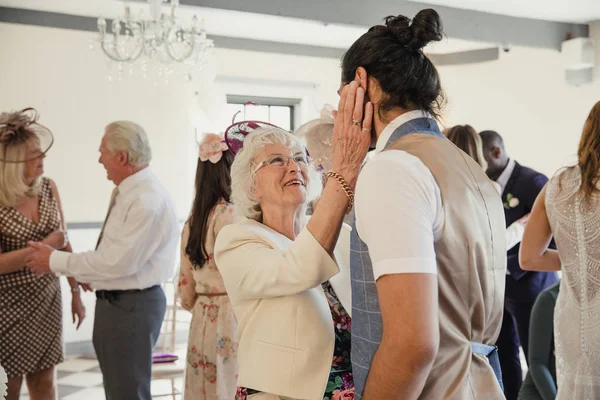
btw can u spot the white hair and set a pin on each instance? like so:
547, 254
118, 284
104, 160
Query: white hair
129, 137
243, 177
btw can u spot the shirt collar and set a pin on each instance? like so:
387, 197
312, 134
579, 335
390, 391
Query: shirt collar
395, 124
132, 181
505, 175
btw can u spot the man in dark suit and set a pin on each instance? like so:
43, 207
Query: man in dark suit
520, 187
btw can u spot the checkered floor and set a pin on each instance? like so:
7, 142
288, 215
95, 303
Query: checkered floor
80, 378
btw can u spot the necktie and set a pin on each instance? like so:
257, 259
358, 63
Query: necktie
113, 198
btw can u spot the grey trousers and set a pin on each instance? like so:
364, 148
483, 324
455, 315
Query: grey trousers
126, 328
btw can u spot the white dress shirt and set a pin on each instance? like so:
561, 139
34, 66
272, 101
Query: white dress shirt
514, 233
505, 175
139, 241
398, 208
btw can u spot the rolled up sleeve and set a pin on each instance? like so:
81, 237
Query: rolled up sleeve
398, 207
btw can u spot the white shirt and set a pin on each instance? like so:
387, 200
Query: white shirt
514, 233
398, 208
139, 243
505, 175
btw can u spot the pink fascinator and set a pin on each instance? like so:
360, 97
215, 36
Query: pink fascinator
212, 147
236, 133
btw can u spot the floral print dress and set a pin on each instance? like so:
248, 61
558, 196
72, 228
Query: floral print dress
340, 385
211, 371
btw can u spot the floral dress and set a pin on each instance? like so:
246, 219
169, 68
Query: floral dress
340, 385
211, 372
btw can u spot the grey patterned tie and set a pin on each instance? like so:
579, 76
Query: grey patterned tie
113, 198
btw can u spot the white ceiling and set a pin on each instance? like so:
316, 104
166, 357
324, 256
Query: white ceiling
578, 11
235, 24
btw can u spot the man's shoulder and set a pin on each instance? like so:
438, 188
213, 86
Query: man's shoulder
392, 161
527, 183
529, 172
152, 195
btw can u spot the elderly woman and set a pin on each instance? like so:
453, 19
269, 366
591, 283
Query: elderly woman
276, 268
30, 306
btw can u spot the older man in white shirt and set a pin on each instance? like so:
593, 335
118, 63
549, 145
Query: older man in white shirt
135, 254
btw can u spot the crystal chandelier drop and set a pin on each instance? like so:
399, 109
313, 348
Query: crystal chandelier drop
160, 46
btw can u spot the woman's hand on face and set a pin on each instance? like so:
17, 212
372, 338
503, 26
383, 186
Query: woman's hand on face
351, 132
57, 240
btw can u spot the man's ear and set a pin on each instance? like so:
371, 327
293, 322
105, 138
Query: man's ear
496, 152
361, 77
123, 158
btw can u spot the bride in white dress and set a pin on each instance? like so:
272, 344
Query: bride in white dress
568, 208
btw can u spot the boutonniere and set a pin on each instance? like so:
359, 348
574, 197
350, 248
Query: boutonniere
511, 202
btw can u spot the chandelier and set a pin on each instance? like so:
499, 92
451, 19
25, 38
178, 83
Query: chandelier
160, 45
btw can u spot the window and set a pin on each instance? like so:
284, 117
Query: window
277, 111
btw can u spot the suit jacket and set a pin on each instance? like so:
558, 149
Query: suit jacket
285, 329
524, 185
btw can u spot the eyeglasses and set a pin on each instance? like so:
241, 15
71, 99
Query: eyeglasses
280, 161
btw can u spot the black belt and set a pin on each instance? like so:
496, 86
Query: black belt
112, 294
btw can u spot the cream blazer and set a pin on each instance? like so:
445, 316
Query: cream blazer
285, 328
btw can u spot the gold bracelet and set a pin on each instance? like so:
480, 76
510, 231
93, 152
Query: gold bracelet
349, 192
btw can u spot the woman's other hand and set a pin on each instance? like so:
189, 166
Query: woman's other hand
57, 240
77, 309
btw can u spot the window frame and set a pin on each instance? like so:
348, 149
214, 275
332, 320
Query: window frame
270, 102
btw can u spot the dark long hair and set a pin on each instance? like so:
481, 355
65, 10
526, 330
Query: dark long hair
213, 183
588, 154
393, 55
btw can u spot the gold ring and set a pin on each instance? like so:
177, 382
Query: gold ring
366, 129
355, 122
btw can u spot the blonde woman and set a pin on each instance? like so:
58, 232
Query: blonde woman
30, 306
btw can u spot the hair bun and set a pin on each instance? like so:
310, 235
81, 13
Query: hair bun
425, 27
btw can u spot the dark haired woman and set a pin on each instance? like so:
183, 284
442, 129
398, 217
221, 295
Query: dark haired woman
211, 371
568, 209
429, 274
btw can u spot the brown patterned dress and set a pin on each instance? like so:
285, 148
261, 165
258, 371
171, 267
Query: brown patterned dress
30, 306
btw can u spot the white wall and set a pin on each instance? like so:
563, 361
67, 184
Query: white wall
523, 96
54, 71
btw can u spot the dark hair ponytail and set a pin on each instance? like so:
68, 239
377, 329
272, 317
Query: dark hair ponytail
213, 183
392, 54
